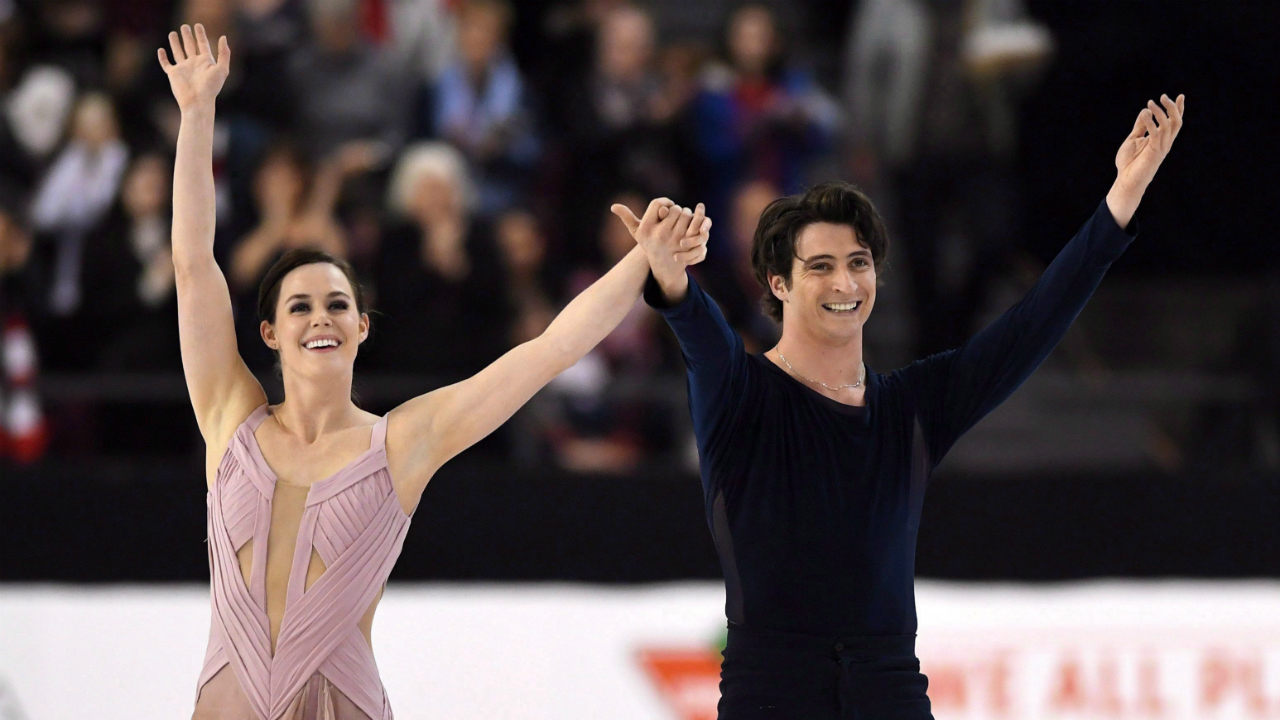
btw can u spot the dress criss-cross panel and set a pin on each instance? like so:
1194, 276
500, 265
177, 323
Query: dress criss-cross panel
322, 668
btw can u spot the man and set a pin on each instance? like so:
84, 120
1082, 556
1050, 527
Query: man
814, 467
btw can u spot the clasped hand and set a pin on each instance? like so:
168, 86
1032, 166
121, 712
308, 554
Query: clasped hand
672, 237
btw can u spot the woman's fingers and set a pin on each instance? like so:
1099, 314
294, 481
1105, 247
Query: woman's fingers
202, 42
189, 42
164, 59
627, 217
175, 45
224, 53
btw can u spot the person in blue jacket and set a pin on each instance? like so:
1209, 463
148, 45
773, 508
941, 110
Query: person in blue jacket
814, 466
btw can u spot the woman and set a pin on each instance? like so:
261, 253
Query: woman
309, 501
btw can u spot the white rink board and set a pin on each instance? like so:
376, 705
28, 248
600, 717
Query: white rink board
1111, 650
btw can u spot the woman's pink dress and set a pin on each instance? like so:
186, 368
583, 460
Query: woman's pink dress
322, 668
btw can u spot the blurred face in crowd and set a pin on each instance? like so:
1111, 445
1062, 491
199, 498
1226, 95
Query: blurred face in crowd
833, 284
280, 185
71, 18
625, 45
615, 239
435, 197
521, 242
214, 14
752, 39
318, 328
335, 25
146, 186
482, 32
750, 201
15, 243
94, 122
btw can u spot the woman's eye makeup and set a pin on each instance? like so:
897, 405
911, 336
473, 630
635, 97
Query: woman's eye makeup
339, 305
299, 306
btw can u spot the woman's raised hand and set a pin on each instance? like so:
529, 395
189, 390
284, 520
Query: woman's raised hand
195, 75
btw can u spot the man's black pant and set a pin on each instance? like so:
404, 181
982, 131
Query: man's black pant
776, 676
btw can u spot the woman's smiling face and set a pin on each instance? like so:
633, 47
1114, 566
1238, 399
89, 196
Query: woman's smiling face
318, 328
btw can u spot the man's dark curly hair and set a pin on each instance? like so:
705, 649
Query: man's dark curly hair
774, 246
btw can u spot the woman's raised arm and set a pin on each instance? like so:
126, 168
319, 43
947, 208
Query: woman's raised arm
223, 391
429, 430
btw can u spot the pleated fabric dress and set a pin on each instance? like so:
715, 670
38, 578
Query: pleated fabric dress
322, 667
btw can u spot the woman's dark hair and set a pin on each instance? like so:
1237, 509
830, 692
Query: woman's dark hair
774, 246
269, 290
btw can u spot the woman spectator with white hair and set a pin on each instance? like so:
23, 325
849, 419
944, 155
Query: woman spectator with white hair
440, 282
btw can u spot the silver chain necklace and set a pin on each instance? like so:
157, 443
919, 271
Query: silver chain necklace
861, 375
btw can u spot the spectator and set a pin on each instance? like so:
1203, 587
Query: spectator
440, 284
294, 207
70, 34
73, 197
524, 252
292, 212
129, 283
613, 137
759, 118
734, 285
480, 106
591, 432
343, 88
938, 128
422, 37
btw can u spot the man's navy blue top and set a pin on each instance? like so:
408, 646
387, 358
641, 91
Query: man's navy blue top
814, 504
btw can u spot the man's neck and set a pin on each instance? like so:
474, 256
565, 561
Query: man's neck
821, 359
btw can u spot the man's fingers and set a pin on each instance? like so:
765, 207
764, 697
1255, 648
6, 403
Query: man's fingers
627, 217
1149, 122
683, 222
692, 257
695, 223
1158, 113
700, 238
175, 45
670, 220
202, 42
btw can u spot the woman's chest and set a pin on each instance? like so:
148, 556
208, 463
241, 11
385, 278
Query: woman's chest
303, 464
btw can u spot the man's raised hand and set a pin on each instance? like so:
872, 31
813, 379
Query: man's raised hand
195, 75
1141, 154
672, 237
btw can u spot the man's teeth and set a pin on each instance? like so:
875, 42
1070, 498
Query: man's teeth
842, 307
323, 342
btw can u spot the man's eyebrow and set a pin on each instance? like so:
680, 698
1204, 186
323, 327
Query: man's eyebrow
828, 256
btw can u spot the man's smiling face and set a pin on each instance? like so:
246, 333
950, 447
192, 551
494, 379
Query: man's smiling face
832, 287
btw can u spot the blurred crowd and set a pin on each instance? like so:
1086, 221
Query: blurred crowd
471, 191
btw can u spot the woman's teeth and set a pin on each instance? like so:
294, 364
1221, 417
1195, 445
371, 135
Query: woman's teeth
323, 342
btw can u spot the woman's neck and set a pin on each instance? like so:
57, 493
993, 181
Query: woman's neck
312, 408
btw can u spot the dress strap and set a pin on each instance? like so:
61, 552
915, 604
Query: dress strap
257, 417
378, 440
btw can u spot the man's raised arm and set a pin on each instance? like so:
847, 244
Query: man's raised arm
955, 389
